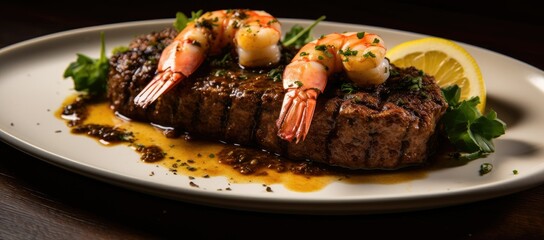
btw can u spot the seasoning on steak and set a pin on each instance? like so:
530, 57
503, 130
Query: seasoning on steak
388, 126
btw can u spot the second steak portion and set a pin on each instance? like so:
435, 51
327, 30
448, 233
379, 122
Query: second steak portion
384, 127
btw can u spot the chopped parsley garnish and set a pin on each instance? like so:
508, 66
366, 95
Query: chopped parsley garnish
241, 14
223, 61
369, 54
347, 88
298, 36
348, 52
393, 72
409, 83
467, 129
209, 24
90, 75
485, 168
182, 20
413, 83
321, 47
360, 35
220, 72
242, 77
272, 21
276, 73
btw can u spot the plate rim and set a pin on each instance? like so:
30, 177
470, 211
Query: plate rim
287, 205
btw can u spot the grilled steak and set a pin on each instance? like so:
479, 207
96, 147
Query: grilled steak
388, 126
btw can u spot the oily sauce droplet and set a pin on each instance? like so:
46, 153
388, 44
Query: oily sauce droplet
150, 153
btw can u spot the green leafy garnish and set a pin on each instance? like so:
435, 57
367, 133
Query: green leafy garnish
467, 129
298, 36
90, 75
182, 20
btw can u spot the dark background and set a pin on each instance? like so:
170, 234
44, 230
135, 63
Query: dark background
488, 26
38, 200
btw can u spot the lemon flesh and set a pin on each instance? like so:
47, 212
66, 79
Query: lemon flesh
444, 59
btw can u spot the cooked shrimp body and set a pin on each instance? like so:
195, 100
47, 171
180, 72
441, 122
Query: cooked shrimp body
360, 55
254, 35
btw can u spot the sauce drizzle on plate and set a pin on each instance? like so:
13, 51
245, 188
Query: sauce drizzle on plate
203, 159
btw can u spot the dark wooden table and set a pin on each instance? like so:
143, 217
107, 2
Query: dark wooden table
42, 201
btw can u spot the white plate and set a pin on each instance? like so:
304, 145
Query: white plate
32, 88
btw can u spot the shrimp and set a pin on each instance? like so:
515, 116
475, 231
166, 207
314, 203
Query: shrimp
360, 55
255, 36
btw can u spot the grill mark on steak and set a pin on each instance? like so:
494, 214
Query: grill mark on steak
403, 142
225, 116
256, 119
195, 103
164, 110
266, 134
389, 133
245, 111
316, 145
334, 129
384, 127
353, 133
214, 94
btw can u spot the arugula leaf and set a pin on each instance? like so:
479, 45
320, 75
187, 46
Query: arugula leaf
299, 36
182, 20
466, 128
90, 75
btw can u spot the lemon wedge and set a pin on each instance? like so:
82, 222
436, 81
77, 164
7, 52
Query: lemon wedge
444, 59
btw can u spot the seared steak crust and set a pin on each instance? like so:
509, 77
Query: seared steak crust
383, 127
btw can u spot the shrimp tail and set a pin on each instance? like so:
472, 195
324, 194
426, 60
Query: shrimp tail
161, 83
296, 114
